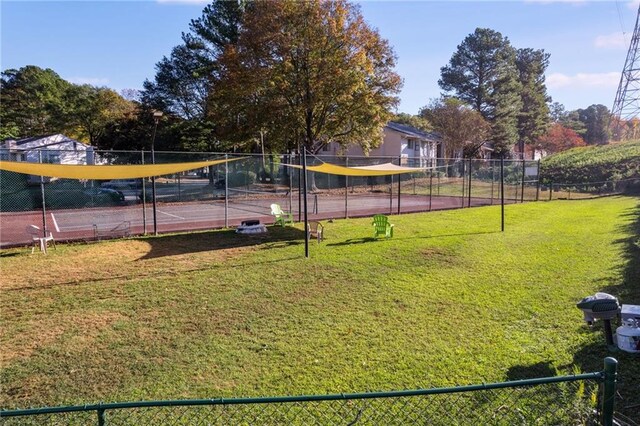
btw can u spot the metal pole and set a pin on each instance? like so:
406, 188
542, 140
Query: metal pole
469, 186
300, 194
346, 191
463, 183
179, 187
493, 178
538, 182
290, 185
399, 183
523, 177
101, 419
153, 178
144, 200
502, 192
391, 196
226, 191
550, 191
306, 219
44, 207
609, 397
430, 187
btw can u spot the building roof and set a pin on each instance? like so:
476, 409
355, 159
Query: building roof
413, 132
42, 141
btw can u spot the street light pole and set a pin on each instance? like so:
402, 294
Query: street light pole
156, 118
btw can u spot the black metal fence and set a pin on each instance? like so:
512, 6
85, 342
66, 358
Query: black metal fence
564, 400
227, 194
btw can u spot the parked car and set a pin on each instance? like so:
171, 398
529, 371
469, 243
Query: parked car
104, 197
122, 184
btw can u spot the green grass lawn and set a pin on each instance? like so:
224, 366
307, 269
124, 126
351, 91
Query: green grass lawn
449, 300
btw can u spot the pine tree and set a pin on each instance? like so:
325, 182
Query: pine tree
533, 119
483, 73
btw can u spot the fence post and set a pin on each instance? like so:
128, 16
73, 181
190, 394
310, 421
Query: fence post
463, 183
391, 196
610, 374
101, 419
430, 187
538, 182
502, 192
550, 190
524, 169
469, 188
399, 183
226, 190
44, 207
346, 190
493, 177
144, 200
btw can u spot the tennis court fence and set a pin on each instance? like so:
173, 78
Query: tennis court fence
224, 195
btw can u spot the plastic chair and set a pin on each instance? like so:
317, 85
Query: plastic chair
282, 217
381, 226
38, 240
315, 229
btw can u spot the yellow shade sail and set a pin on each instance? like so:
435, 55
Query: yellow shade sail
385, 169
106, 172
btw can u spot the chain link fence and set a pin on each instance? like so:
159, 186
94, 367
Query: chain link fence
224, 195
578, 191
567, 400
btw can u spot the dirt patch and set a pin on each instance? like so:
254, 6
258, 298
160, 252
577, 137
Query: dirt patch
82, 328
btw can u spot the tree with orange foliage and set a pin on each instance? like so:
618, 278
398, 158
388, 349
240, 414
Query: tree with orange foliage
305, 73
559, 138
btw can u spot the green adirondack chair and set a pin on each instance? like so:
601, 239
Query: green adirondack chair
282, 217
382, 226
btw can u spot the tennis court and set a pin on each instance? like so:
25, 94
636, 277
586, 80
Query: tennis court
79, 224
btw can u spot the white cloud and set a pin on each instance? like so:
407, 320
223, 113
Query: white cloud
633, 4
583, 80
94, 81
611, 41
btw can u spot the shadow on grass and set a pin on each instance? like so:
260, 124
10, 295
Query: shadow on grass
534, 371
172, 245
372, 239
13, 254
590, 358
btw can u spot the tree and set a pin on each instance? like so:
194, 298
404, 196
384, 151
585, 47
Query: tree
559, 138
318, 64
596, 121
482, 73
462, 129
32, 102
92, 109
533, 119
182, 84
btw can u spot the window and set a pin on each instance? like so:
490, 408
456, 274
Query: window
51, 157
410, 144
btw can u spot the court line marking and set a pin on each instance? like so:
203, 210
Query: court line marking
55, 222
172, 215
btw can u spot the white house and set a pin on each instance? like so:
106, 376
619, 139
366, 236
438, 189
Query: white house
55, 149
415, 147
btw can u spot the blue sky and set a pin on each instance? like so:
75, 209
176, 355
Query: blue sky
117, 43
